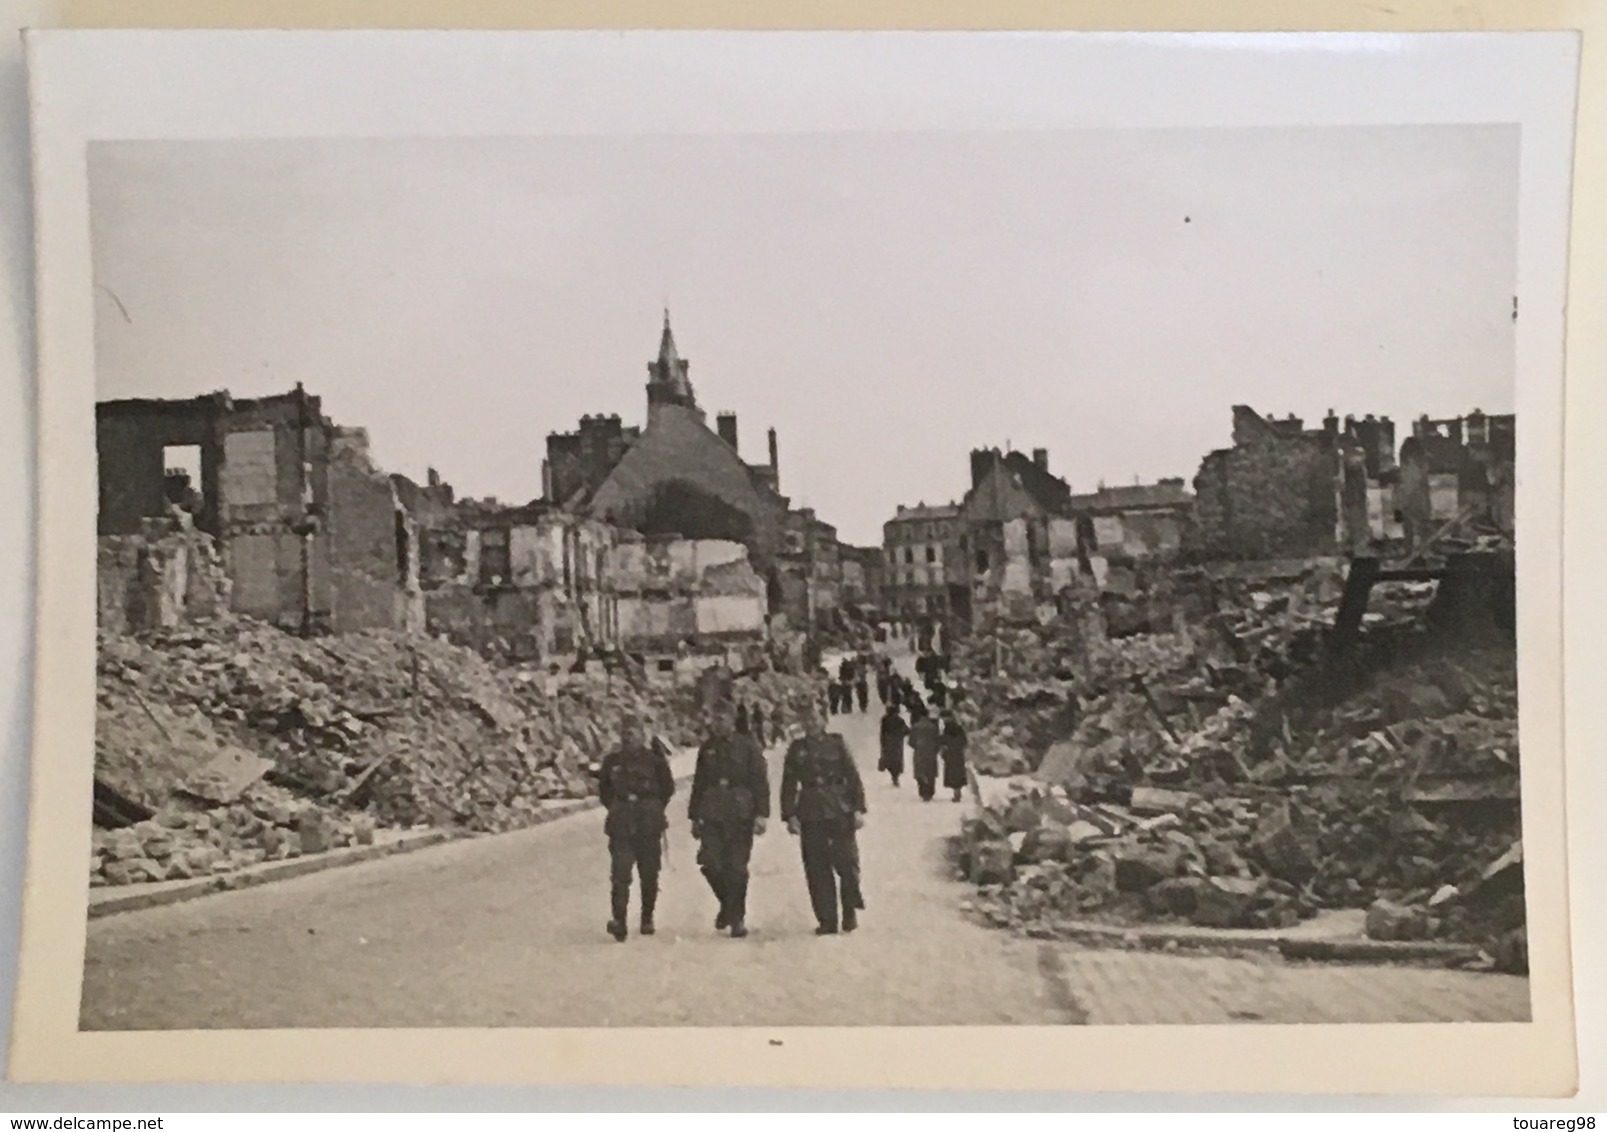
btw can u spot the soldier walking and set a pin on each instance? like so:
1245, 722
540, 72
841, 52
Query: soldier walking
823, 803
729, 805
635, 786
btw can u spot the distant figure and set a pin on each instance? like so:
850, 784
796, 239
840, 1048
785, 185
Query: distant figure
757, 721
883, 680
742, 719
894, 730
940, 694
634, 786
823, 803
862, 685
925, 742
730, 802
954, 745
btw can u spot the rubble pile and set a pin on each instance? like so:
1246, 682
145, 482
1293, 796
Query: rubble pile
1222, 775
408, 729
187, 842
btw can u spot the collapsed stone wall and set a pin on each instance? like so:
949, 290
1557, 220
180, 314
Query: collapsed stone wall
167, 575
1273, 498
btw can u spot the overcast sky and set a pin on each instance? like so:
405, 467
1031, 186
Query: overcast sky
886, 301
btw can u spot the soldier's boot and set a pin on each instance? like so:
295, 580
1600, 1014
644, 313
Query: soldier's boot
649, 903
621, 895
737, 913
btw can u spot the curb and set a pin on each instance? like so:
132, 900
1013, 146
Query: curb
1335, 949
129, 898
134, 901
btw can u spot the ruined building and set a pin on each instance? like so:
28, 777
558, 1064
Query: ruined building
1458, 473
524, 583
1019, 539
921, 548
1285, 491
1133, 521
310, 532
676, 477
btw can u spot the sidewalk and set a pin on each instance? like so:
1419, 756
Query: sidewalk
111, 899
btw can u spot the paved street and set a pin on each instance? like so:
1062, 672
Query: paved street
509, 931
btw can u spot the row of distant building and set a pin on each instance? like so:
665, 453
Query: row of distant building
651, 538
1021, 535
658, 538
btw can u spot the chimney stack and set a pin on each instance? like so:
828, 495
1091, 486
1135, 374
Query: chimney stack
775, 463
546, 481
726, 425
1040, 456
982, 461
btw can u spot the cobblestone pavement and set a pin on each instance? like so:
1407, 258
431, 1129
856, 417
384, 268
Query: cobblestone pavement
509, 931
1140, 987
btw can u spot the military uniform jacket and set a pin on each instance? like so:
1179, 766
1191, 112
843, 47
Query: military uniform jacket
731, 785
634, 786
819, 781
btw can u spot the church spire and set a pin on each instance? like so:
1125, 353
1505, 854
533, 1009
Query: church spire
668, 383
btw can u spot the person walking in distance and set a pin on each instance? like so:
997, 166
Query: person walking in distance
757, 719
729, 806
925, 743
954, 745
823, 804
894, 729
635, 786
862, 683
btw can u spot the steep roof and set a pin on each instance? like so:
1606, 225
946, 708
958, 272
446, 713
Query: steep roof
1012, 486
678, 446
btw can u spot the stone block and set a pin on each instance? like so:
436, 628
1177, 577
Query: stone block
1225, 902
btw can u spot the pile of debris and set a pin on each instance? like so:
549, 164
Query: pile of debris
1225, 775
185, 842
409, 730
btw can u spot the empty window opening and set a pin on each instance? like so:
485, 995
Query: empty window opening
181, 476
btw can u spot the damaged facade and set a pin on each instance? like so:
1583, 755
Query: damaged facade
528, 582
923, 560
1285, 491
309, 530
1019, 543
1458, 473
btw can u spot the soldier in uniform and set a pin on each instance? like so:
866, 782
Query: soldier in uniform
634, 786
729, 805
823, 803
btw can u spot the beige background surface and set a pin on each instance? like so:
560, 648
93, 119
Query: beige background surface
1514, 1060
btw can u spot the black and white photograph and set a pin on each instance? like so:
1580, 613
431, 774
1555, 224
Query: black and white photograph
961, 575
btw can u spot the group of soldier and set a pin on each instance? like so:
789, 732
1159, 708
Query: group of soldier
822, 804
